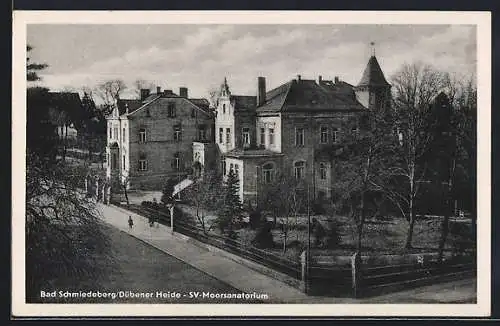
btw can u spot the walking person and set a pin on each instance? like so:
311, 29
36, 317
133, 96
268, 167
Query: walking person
130, 222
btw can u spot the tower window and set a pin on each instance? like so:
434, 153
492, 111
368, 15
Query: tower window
228, 136
221, 135
246, 136
271, 136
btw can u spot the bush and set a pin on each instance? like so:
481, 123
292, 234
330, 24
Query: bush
255, 219
333, 236
264, 237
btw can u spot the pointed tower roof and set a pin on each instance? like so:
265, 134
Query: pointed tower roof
373, 75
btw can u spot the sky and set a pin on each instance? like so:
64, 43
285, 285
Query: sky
200, 56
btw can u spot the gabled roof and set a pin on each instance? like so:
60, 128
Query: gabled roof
202, 103
373, 75
307, 95
244, 102
132, 105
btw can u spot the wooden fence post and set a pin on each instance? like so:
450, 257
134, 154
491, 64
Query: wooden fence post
356, 274
304, 284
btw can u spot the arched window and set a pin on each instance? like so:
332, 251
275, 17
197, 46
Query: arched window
268, 172
224, 108
299, 169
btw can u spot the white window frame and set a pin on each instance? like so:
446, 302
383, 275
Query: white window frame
177, 133
271, 136
335, 135
268, 173
142, 135
221, 135
323, 135
299, 136
143, 164
246, 136
323, 174
299, 168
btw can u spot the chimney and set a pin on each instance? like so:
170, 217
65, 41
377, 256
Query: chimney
144, 93
320, 79
337, 80
298, 77
261, 90
183, 92
158, 90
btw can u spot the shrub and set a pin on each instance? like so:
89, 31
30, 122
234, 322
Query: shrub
264, 237
255, 219
333, 236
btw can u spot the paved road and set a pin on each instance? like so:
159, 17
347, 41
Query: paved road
140, 268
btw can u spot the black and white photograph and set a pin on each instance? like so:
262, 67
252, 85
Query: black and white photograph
234, 164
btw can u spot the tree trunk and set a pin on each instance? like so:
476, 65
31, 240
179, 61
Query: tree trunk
411, 224
445, 227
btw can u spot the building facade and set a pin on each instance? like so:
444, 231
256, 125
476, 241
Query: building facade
290, 131
151, 141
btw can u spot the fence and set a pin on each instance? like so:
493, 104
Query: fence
331, 278
267, 259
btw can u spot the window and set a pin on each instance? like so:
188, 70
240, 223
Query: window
224, 108
237, 169
262, 136
143, 165
176, 163
324, 135
231, 167
110, 133
193, 113
142, 135
107, 159
177, 133
299, 137
355, 131
202, 132
148, 113
335, 135
114, 161
268, 172
246, 136
221, 135
322, 171
123, 165
171, 110
123, 134
116, 133
224, 167
271, 136
228, 136
299, 168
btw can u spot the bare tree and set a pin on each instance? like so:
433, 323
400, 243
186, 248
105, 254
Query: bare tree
65, 237
283, 198
415, 86
457, 149
362, 162
109, 91
140, 84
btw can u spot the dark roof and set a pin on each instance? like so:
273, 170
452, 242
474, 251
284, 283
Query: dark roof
244, 102
132, 105
202, 103
241, 153
307, 95
373, 75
